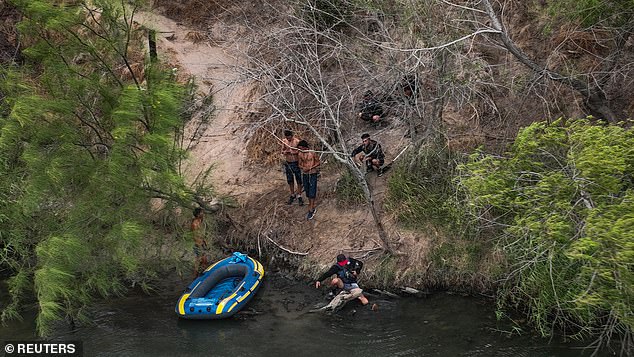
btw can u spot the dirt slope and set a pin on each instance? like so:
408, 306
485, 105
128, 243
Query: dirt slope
261, 190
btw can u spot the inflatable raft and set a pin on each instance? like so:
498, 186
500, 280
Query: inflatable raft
222, 290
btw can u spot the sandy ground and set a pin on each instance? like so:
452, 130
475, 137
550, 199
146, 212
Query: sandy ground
219, 143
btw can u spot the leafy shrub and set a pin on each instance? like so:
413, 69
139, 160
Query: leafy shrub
422, 192
326, 14
87, 140
563, 197
348, 190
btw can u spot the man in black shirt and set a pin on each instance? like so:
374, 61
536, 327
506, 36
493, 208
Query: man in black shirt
372, 156
347, 271
370, 110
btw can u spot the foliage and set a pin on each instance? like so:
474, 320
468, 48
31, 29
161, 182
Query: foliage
385, 272
327, 14
87, 139
563, 199
461, 256
421, 191
348, 190
591, 12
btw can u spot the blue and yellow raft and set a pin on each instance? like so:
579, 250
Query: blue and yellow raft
222, 290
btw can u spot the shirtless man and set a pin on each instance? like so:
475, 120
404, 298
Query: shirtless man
309, 164
291, 167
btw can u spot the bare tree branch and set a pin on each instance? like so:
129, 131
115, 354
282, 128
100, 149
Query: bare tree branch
594, 99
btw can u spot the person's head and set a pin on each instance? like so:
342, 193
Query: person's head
198, 212
342, 260
288, 134
365, 138
368, 94
303, 144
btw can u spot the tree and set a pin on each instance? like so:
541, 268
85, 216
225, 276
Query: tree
562, 199
589, 55
295, 65
592, 85
88, 138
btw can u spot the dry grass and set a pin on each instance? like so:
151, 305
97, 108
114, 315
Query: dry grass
196, 36
135, 71
206, 13
194, 12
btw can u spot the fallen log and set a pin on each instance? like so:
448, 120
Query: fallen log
285, 249
415, 292
339, 301
386, 293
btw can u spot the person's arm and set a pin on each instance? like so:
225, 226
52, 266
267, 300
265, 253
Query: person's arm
316, 161
356, 151
301, 162
194, 227
332, 271
379, 151
284, 147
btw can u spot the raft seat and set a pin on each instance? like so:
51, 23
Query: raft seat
237, 271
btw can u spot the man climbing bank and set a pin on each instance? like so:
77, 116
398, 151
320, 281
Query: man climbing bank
346, 270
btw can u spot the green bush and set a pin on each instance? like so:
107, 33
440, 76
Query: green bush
327, 14
421, 192
591, 12
563, 198
348, 191
84, 149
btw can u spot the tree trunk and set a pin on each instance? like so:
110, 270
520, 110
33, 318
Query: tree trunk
370, 204
434, 134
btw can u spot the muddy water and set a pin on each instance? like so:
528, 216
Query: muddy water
277, 323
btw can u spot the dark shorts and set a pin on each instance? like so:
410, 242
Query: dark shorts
369, 162
369, 115
198, 251
291, 169
310, 185
366, 116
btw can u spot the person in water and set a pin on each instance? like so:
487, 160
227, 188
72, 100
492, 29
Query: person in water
347, 271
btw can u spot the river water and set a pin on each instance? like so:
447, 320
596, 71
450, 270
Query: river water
277, 323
